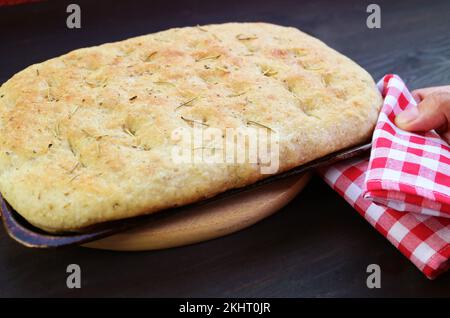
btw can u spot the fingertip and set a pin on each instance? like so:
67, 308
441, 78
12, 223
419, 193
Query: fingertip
416, 95
405, 118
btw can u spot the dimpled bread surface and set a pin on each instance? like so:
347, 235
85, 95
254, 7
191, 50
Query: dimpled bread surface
87, 137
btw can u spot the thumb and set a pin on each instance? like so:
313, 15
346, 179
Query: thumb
433, 112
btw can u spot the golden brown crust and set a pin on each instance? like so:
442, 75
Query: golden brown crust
85, 137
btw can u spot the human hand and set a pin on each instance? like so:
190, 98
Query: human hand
432, 112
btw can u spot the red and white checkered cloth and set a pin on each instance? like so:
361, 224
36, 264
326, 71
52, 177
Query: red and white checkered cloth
403, 190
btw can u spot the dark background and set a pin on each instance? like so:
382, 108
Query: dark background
317, 246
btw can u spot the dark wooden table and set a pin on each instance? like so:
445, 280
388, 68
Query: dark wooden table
317, 245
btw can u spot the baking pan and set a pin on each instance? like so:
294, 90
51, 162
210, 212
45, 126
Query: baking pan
25, 233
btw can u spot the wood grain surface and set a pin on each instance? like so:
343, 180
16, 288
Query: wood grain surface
315, 246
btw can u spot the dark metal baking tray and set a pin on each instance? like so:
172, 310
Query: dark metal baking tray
25, 233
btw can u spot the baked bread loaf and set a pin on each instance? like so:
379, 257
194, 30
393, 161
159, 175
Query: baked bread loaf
87, 137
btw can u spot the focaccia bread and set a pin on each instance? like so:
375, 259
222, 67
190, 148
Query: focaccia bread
87, 137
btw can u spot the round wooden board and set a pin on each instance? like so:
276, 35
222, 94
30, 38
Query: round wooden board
207, 222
